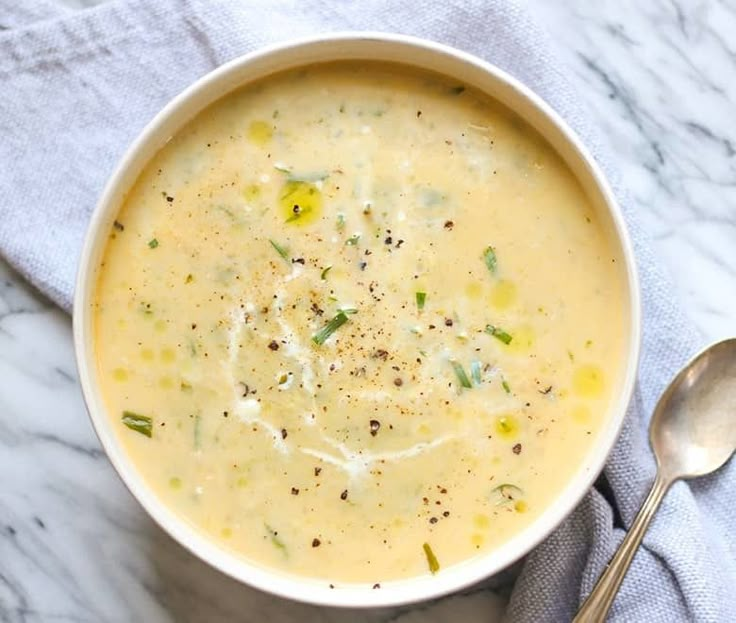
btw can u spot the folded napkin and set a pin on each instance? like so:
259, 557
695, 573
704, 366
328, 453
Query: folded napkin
76, 90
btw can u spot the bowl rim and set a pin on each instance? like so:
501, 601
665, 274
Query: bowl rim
310, 590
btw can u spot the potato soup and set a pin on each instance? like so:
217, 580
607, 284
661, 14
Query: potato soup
359, 323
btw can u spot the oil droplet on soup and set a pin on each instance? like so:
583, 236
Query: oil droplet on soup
260, 132
503, 294
587, 381
300, 202
327, 342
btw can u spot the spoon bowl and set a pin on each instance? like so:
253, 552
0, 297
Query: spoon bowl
693, 429
692, 433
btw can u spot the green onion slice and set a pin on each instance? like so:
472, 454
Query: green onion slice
460, 373
434, 565
475, 370
489, 257
139, 423
506, 493
333, 325
499, 333
421, 298
282, 251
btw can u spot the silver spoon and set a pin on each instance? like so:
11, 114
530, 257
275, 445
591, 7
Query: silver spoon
693, 433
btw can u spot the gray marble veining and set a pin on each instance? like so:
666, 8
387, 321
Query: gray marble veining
74, 545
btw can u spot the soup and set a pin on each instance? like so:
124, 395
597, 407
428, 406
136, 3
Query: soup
359, 323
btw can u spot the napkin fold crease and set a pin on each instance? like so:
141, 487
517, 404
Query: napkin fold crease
78, 86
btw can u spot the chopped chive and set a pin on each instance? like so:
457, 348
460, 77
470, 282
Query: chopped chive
475, 369
333, 325
353, 240
152, 243
340, 221
460, 373
323, 274
277, 542
506, 386
197, 432
140, 423
308, 177
489, 257
282, 251
506, 493
348, 310
434, 565
421, 298
498, 333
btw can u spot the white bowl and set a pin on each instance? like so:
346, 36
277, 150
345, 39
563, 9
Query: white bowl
351, 46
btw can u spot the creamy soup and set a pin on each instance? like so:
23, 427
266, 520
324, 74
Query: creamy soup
359, 323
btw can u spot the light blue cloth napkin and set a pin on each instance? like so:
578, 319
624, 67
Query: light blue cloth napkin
76, 90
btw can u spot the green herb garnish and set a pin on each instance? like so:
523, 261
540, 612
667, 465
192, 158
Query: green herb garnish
323, 274
333, 325
498, 333
282, 251
506, 386
353, 240
421, 298
197, 432
506, 493
489, 257
460, 373
139, 423
434, 565
152, 243
475, 370
340, 222
277, 542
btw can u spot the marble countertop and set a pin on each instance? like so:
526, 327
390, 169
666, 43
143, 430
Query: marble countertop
75, 546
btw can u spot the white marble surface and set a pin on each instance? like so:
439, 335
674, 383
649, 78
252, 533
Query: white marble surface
74, 545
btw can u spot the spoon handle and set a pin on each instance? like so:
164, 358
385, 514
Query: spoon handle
597, 604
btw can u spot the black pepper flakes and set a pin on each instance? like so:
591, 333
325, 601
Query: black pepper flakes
449, 224
398, 382
433, 520
375, 425
274, 345
317, 471
376, 585
448, 322
294, 491
446, 514
317, 543
284, 433
516, 449
344, 495
119, 226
